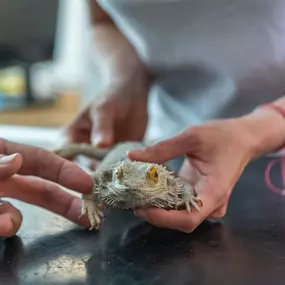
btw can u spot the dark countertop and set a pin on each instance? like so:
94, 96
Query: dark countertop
247, 247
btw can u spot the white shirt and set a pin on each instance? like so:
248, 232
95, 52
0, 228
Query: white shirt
212, 58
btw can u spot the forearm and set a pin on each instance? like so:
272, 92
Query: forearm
115, 58
266, 129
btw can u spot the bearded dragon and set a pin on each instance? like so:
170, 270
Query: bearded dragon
125, 184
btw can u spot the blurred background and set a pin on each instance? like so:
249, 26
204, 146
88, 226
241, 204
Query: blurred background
46, 71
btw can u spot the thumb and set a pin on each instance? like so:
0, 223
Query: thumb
165, 150
102, 133
9, 165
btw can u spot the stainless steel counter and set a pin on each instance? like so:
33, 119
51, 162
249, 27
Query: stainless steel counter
247, 247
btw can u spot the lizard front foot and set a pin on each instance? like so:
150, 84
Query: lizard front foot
92, 210
190, 199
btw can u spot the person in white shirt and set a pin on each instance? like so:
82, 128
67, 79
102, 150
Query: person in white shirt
186, 75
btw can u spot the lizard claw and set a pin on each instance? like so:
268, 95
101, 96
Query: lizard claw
190, 199
193, 202
93, 212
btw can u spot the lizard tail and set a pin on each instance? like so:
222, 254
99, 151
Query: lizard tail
72, 150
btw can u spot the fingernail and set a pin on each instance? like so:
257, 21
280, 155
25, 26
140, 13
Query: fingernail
140, 213
135, 151
7, 159
96, 139
101, 140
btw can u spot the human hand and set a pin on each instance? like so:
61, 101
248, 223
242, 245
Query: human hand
33, 175
216, 154
118, 113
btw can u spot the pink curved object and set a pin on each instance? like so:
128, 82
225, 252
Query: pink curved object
272, 187
280, 191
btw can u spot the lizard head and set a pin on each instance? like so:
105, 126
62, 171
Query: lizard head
133, 182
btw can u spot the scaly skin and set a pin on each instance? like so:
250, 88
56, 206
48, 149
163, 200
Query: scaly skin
125, 184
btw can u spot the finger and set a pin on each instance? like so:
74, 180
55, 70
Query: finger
9, 165
219, 213
182, 220
45, 194
102, 133
45, 164
79, 130
10, 219
167, 149
176, 220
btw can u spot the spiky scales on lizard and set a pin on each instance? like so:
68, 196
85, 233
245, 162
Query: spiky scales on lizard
125, 184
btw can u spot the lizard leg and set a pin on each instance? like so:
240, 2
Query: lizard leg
72, 150
91, 204
190, 198
92, 210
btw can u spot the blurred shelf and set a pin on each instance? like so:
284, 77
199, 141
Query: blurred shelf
46, 137
58, 113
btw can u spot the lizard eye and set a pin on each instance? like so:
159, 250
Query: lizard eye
152, 174
119, 173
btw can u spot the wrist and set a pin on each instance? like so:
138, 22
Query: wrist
265, 129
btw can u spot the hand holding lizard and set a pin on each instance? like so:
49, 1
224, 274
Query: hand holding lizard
216, 154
